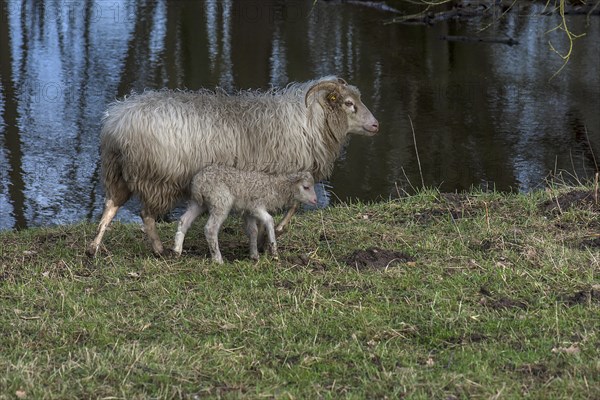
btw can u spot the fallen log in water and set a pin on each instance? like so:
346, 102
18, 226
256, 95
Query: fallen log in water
577, 9
431, 18
509, 41
377, 5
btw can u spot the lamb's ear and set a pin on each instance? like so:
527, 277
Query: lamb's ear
294, 178
299, 177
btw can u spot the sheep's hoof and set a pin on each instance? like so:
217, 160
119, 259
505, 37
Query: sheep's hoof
174, 253
171, 253
91, 250
254, 257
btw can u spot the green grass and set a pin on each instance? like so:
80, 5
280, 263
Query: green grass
501, 301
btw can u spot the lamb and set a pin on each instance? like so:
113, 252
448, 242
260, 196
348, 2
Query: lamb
221, 189
153, 143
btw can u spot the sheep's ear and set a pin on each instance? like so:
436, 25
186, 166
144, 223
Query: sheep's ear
334, 98
343, 82
327, 86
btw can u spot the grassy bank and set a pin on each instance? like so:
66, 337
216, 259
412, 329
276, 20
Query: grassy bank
443, 296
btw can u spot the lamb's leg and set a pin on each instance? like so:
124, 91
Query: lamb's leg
286, 219
192, 212
252, 232
150, 228
211, 231
280, 229
267, 220
111, 206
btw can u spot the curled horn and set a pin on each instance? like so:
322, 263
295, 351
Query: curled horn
321, 86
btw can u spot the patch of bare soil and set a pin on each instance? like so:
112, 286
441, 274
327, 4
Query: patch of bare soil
578, 199
586, 296
468, 339
500, 302
303, 261
534, 371
590, 244
376, 258
427, 216
453, 198
454, 205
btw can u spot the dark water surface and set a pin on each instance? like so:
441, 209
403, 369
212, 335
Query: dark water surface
484, 115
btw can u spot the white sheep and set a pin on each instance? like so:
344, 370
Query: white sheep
221, 189
153, 143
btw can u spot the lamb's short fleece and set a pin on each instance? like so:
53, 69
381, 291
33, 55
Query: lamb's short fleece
221, 189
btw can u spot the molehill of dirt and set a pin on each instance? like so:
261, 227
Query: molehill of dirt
376, 258
578, 199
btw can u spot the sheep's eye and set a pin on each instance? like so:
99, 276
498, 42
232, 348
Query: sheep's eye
306, 187
348, 103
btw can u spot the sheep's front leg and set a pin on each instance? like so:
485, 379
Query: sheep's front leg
252, 232
211, 231
267, 220
192, 212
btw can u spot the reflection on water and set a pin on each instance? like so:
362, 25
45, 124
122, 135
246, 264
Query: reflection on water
484, 115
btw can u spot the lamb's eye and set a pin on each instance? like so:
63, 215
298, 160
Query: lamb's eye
306, 187
348, 103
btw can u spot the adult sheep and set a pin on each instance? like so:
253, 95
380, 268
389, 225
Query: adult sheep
153, 143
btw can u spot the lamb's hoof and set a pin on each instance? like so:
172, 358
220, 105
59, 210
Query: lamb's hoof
279, 231
254, 257
273, 249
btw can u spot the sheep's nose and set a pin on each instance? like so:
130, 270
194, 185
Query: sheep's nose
375, 126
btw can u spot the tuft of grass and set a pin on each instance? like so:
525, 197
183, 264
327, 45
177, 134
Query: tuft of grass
498, 297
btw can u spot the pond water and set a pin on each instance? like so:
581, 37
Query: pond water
484, 115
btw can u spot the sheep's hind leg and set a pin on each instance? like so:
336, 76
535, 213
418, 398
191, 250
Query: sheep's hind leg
111, 206
192, 212
150, 228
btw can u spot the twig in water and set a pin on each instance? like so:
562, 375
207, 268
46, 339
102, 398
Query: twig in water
587, 138
417, 152
408, 180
